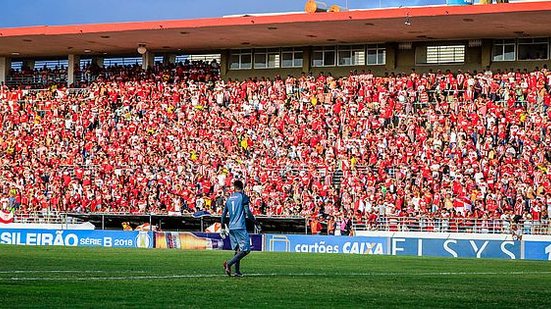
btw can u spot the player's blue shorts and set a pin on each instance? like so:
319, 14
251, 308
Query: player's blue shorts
240, 239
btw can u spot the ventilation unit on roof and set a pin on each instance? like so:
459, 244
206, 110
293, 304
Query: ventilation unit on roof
404, 45
475, 43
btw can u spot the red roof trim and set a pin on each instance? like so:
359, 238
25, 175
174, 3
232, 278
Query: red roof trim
280, 19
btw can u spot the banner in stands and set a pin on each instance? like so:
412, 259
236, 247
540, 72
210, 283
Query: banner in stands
326, 244
81, 238
200, 241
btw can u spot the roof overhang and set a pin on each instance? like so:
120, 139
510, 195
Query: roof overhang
524, 19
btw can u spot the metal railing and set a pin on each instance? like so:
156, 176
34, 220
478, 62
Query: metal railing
44, 217
386, 224
455, 225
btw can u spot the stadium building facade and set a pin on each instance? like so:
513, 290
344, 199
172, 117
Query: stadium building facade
502, 36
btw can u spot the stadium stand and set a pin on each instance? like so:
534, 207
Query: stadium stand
443, 148
124, 123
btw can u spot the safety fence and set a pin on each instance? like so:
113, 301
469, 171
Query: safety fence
295, 225
456, 225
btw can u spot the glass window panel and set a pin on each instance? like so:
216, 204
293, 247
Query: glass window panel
358, 57
532, 51
371, 56
381, 56
234, 62
344, 57
287, 60
273, 60
445, 54
509, 54
329, 58
260, 61
317, 59
246, 61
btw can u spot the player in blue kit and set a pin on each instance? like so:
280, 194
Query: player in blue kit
237, 206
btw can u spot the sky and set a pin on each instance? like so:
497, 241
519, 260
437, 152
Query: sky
17, 13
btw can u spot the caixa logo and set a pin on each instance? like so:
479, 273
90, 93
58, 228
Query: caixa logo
327, 244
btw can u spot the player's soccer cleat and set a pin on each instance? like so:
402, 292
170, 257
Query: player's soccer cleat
227, 269
238, 275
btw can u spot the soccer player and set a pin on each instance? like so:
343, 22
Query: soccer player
237, 206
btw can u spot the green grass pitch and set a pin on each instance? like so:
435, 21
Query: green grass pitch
62, 277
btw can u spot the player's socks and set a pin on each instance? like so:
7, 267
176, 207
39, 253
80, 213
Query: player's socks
237, 257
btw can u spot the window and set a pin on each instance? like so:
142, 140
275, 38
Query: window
291, 58
351, 55
266, 58
504, 50
127, 61
241, 60
17, 65
85, 62
158, 59
445, 54
533, 49
198, 57
51, 64
376, 54
324, 57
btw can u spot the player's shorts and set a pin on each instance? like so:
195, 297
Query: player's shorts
240, 239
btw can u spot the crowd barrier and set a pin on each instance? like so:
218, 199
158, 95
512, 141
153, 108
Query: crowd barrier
456, 245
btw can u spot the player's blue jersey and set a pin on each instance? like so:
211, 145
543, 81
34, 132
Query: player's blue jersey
237, 206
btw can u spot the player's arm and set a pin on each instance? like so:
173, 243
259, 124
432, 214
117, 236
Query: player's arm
246, 203
224, 213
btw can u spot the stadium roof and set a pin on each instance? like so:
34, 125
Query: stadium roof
525, 19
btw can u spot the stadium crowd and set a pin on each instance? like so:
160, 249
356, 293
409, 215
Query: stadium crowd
173, 138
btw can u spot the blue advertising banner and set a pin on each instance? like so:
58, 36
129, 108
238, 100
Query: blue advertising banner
255, 240
200, 241
537, 250
326, 244
449, 247
81, 238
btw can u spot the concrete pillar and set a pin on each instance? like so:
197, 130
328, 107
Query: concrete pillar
148, 60
73, 62
486, 53
5, 66
306, 59
224, 63
98, 61
390, 56
169, 59
28, 64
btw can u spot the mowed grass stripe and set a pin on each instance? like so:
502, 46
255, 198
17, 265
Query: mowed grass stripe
84, 277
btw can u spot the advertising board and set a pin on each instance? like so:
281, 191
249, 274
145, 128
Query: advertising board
81, 238
326, 244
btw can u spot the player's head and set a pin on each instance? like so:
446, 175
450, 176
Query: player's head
238, 185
